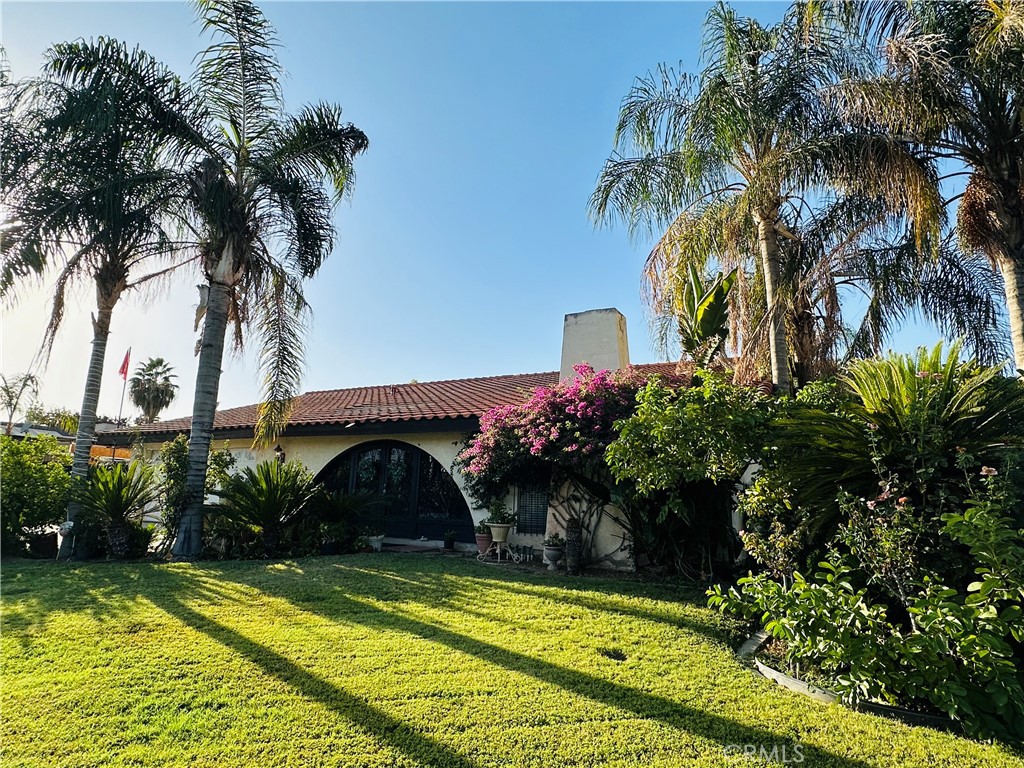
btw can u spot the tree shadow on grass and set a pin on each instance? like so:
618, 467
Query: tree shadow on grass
643, 705
388, 730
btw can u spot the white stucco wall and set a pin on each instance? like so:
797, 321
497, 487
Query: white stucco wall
317, 452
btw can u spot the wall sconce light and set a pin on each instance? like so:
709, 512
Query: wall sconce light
279, 453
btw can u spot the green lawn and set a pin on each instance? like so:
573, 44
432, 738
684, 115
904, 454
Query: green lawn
399, 660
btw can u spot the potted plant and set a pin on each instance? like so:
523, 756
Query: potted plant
554, 548
375, 538
331, 537
500, 522
362, 544
449, 540
483, 536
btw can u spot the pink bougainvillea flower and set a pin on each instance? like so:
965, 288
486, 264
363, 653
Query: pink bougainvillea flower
989, 471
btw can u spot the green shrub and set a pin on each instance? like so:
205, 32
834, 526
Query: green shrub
267, 501
35, 485
677, 460
115, 498
174, 500
918, 642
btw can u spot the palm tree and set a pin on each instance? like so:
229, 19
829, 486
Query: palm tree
254, 182
717, 162
952, 81
13, 391
152, 388
85, 199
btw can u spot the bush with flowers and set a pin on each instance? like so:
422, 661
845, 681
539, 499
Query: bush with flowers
557, 440
905, 505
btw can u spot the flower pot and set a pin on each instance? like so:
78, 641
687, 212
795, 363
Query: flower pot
500, 532
44, 545
483, 542
330, 548
376, 542
552, 555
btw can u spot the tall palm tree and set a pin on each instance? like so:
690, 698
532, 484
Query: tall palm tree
952, 80
718, 161
152, 388
260, 186
85, 198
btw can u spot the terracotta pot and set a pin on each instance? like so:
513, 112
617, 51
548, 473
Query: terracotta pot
483, 542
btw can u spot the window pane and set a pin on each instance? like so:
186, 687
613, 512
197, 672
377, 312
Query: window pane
368, 471
532, 506
440, 498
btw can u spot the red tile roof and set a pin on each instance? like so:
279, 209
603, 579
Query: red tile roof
451, 399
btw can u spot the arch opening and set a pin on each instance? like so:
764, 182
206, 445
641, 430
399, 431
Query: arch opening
414, 496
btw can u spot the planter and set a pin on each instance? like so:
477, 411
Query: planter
377, 542
552, 555
483, 542
449, 544
500, 532
753, 645
44, 545
330, 548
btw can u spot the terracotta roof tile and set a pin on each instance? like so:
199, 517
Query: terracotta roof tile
451, 399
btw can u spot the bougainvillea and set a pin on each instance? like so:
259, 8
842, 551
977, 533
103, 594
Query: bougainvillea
560, 430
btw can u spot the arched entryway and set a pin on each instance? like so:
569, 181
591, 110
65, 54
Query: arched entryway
416, 496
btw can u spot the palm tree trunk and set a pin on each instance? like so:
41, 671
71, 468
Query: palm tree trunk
87, 419
1013, 283
189, 541
768, 242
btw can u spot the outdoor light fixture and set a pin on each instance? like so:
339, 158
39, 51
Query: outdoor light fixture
279, 453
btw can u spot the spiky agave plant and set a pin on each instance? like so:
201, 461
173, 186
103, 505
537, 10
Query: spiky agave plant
116, 496
268, 498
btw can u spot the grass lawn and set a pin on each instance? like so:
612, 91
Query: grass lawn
400, 660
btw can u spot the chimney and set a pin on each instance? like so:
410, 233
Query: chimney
598, 337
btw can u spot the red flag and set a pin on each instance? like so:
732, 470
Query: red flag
123, 371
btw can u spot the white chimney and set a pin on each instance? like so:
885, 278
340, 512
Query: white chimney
598, 337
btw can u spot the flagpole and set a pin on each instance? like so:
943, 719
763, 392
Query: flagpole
120, 408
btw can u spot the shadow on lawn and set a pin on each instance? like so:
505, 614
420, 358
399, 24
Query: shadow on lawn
643, 705
109, 593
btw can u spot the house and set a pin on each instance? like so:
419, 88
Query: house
399, 440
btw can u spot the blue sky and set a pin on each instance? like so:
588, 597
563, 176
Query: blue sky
467, 238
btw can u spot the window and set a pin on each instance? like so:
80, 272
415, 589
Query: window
532, 508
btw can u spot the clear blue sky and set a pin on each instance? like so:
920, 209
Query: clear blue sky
467, 238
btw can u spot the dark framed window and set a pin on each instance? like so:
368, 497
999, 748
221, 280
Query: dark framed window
415, 496
532, 510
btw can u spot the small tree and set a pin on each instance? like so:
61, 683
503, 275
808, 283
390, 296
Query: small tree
36, 486
13, 391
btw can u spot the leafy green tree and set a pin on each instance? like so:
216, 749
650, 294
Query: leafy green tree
951, 80
152, 388
260, 187
86, 199
36, 486
63, 419
13, 391
722, 163
174, 501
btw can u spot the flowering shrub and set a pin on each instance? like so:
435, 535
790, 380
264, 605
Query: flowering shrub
560, 430
556, 439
